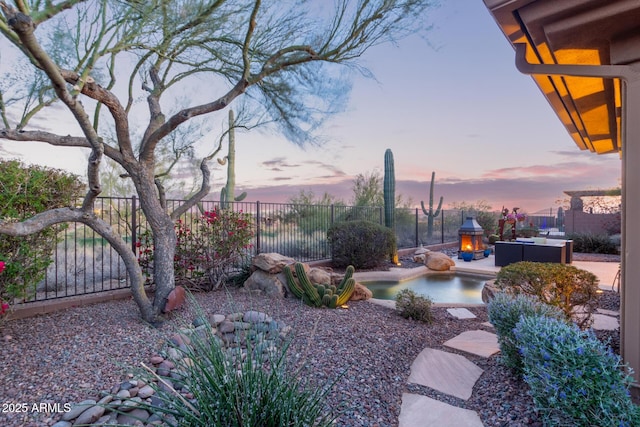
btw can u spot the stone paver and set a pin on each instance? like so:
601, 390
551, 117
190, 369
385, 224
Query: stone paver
605, 323
461, 313
422, 411
446, 372
481, 343
608, 312
487, 324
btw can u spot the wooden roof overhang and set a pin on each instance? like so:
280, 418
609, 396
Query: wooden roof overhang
570, 32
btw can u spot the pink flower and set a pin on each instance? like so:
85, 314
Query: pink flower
2, 265
4, 307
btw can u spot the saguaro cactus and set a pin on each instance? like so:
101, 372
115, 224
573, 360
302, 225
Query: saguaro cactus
389, 191
227, 192
430, 213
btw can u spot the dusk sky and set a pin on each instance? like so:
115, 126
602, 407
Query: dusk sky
455, 105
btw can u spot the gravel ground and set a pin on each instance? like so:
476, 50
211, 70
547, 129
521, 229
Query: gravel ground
70, 356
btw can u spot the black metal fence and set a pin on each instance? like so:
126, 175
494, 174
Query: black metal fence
83, 262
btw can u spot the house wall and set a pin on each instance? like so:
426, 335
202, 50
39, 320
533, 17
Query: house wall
584, 222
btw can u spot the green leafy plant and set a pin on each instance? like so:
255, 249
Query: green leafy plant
575, 379
412, 306
572, 290
505, 311
24, 192
362, 244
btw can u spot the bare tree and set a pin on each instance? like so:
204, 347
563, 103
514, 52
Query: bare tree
98, 58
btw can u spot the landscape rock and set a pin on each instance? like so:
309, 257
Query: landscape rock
146, 392
133, 416
78, 409
319, 276
216, 319
253, 316
438, 261
273, 285
175, 299
489, 290
361, 293
419, 258
89, 416
272, 262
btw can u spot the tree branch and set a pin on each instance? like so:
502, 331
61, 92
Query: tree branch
94, 91
51, 217
24, 27
56, 140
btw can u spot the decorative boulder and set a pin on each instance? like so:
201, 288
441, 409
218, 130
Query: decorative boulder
438, 261
319, 276
272, 262
421, 251
273, 285
361, 293
489, 290
175, 299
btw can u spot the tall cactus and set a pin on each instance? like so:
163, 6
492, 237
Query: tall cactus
228, 191
430, 213
389, 191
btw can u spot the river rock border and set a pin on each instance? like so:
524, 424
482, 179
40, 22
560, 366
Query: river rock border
127, 404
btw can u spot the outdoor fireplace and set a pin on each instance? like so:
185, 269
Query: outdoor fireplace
471, 239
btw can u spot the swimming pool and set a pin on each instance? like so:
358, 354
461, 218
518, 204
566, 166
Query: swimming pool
445, 287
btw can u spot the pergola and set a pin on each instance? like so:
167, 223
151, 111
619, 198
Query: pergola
584, 55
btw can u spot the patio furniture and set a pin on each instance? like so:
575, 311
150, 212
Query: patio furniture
534, 250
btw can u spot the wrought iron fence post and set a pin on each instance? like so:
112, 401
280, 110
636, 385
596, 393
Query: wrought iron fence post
442, 227
416, 228
134, 225
258, 220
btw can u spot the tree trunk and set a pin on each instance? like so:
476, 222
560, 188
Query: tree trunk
164, 241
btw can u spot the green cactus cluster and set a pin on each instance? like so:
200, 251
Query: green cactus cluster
320, 295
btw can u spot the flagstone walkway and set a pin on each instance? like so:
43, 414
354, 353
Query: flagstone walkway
453, 374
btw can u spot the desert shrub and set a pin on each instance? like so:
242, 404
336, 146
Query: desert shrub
235, 387
505, 311
593, 243
24, 192
412, 306
572, 290
362, 244
575, 379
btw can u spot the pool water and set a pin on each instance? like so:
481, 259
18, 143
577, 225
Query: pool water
440, 287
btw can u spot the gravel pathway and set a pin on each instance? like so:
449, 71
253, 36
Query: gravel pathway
70, 356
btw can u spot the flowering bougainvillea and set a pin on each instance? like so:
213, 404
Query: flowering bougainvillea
207, 247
